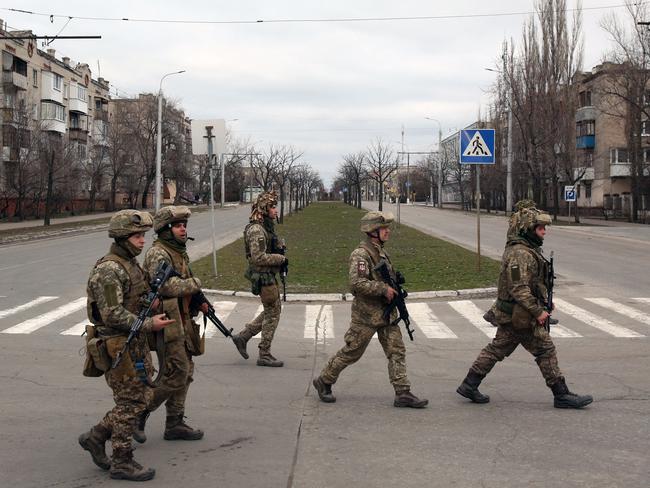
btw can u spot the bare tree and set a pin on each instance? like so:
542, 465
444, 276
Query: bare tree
382, 163
355, 169
287, 157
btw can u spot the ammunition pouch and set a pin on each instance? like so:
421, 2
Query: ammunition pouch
505, 306
97, 361
114, 345
195, 340
259, 279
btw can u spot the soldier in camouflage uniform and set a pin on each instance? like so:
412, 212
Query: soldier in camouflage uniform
371, 296
513, 230
521, 314
114, 288
183, 339
265, 258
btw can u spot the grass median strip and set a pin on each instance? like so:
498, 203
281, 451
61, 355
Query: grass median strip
320, 239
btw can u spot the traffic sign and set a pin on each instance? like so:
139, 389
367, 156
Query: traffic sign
477, 146
570, 193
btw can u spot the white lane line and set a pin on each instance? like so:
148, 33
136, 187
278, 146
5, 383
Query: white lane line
642, 300
25, 306
558, 330
223, 310
36, 323
475, 315
428, 323
594, 320
621, 308
76, 329
311, 318
326, 324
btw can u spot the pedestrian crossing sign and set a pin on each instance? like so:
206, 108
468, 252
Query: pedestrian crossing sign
477, 146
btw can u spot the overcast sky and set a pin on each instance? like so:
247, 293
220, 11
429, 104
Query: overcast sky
327, 88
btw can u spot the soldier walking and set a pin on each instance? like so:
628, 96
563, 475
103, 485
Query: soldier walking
371, 296
265, 257
520, 314
182, 340
114, 289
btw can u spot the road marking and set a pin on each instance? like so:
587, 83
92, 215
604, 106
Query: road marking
36, 323
558, 330
76, 329
25, 306
428, 323
622, 309
259, 310
223, 310
594, 320
642, 300
475, 315
319, 328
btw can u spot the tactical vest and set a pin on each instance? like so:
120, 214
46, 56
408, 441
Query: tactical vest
137, 286
263, 271
375, 258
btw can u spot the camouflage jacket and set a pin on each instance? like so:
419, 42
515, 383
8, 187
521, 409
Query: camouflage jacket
521, 287
259, 251
367, 286
177, 291
114, 289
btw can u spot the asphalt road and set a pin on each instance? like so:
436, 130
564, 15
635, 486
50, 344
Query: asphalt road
266, 428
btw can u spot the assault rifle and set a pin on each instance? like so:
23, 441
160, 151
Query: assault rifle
550, 282
199, 299
162, 274
398, 302
284, 267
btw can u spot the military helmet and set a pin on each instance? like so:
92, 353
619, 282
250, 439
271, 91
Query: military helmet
529, 218
127, 222
374, 220
261, 206
525, 203
169, 215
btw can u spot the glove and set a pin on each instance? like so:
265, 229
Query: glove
286, 263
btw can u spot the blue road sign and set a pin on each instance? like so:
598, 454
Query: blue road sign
570, 193
477, 146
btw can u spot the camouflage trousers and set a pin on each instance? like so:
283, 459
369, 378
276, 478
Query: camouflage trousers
357, 338
506, 341
267, 321
131, 398
173, 387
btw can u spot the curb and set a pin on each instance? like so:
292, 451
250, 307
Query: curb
348, 297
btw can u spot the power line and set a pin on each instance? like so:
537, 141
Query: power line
315, 20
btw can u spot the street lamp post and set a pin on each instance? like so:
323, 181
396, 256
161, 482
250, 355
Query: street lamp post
439, 162
159, 139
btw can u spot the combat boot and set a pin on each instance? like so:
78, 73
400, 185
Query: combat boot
240, 343
267, 359
469, 388
408, 399
94, 441
563, 398
141, 422
177, 430
553, 321
124, 467
324, 390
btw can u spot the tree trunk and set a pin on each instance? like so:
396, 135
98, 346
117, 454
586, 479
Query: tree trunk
48, 197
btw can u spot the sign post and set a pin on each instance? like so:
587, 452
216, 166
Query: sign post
477, 147
570, 195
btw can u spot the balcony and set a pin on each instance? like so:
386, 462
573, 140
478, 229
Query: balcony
586, 113
9, 115
619, 170
101, 115
15, 79
78, 106
77, 134
585, 142
587, 176
48, 92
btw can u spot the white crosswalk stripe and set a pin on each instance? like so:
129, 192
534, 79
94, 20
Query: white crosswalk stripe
642, 300
36, 323
223, 310
319, 323
475, 316
259, 310
428, 323
594, 320
76, 329
621, 309
25, 306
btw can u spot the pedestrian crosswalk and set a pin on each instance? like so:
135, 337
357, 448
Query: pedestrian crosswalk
627, 318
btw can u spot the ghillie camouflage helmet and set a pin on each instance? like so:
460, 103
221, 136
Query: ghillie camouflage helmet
376, 220
261, 206
531, 217
513, 223
127, 222
525, 203
169, 215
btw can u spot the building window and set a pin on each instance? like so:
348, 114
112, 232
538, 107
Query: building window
35, 77
645, 128
81, 93
586, 128
52, 111
66, 90
585, 98
619, 155
588, 158
587, 189
57, 81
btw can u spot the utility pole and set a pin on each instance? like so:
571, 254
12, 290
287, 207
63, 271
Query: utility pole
210, 136
509, 156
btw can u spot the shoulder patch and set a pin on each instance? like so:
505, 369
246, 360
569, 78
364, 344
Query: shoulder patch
515, 274
260, 241
362, 268
110, 294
